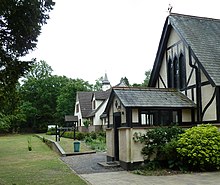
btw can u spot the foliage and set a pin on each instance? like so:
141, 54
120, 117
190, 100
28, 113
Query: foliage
20, 25
156, 139
79, 135
29, 143
98, 84
97, 141
86, 123
51, 131
199, 147
67, 97
147, 78
54, 97
4, 123
42, 107
160, 146
125, 80
39, 70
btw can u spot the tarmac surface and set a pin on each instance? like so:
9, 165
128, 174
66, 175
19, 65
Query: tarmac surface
88, 168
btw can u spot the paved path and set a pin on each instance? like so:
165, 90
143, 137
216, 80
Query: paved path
127, 178
88, 163
86, 166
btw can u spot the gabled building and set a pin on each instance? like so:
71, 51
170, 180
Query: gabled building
188, 59
90, 107
184, 87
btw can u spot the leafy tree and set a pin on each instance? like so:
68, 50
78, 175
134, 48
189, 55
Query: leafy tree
137, 85
98, 84
40, 70
4, 123
47, 98
41, 96
125, 79
67, 98
147, 78
20, 25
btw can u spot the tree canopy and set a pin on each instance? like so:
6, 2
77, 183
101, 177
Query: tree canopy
46, 98
20, 26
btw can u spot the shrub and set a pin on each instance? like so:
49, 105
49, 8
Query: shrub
86, 123
96, 140
199, 147
51, 131
155, 141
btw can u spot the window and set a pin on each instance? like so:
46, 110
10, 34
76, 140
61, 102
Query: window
77, 108
182, 69
176, 72
93, 104
147, 119
159, 117
169, 72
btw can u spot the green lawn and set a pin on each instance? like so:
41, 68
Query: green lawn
18, 166
67, 144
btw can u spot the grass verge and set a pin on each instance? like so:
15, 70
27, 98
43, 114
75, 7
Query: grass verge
67, 144
39, 166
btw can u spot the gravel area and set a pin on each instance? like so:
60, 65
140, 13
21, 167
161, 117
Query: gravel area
88, 163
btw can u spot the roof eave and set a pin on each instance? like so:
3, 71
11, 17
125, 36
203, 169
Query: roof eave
160, 53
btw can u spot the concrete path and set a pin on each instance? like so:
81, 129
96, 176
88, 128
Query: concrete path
127, 178
86, 166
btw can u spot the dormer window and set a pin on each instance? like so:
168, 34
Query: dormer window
77, 108
93, 104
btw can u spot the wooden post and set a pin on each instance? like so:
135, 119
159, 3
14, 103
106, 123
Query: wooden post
56, 132
74, 132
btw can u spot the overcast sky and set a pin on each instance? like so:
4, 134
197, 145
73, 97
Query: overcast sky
86, 38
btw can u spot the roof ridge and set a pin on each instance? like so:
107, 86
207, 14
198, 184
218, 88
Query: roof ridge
145, 89
194, 16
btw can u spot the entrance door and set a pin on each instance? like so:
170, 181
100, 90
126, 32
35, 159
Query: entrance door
117, 124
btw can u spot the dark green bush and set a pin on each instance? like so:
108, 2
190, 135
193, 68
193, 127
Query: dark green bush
93, 135
199, 148
155, 141
51, 131
96, 140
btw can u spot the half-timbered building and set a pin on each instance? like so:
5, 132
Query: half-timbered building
184, 87
188, 59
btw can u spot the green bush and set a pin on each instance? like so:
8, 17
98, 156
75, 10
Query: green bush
51, 131
155, 141
96, 140
199, 148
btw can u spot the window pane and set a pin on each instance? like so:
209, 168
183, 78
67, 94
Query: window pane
143, 119
165, 118
175, 117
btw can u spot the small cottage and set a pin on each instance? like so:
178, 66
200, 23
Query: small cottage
90, 106
131, 110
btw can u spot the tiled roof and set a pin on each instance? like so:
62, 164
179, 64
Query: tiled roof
153, 97
203, 36
85, 102
102, 95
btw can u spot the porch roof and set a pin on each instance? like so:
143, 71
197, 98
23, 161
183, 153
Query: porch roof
71, 118
153, 97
